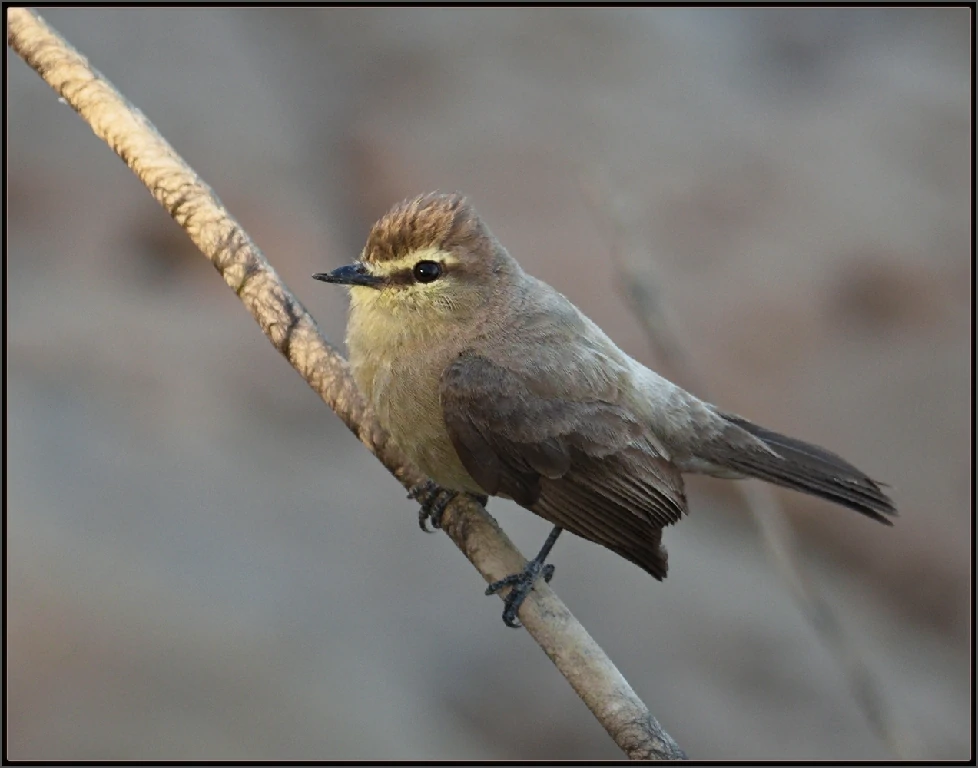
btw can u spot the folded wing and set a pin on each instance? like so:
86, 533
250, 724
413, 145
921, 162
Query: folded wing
587, 465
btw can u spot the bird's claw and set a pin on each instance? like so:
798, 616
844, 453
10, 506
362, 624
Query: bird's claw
433, 499
521, 585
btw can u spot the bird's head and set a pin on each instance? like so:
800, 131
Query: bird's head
430, 259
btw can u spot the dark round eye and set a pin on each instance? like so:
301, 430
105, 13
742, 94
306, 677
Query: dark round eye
427, 271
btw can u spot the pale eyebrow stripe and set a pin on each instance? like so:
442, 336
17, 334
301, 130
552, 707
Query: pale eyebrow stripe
385, 268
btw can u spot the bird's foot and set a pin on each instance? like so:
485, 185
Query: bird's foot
433, 499
522, 584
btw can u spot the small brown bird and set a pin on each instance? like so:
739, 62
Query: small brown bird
495, 384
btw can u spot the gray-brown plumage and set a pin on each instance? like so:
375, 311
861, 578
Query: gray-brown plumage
493, 383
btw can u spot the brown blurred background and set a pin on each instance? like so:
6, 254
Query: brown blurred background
203, 563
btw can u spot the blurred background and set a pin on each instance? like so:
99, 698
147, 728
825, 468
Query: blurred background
204, 564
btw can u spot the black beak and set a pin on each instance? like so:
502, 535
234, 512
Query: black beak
352, 274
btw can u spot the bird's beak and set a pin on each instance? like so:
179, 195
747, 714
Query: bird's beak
351, 274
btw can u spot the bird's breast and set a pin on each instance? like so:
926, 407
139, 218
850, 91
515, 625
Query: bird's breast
401, 381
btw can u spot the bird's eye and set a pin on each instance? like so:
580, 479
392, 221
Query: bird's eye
427, 271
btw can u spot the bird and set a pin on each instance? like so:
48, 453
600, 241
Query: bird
495, 384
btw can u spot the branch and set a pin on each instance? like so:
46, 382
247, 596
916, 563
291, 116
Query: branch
292, 331
643, 294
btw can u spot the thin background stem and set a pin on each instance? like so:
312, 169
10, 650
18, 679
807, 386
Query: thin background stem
644, 295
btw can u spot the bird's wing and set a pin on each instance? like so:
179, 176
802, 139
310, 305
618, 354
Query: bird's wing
585, 465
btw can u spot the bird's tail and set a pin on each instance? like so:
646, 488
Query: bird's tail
803, 467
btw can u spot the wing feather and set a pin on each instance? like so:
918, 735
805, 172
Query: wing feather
587, 465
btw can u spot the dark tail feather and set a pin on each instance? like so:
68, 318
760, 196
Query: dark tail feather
807, 468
